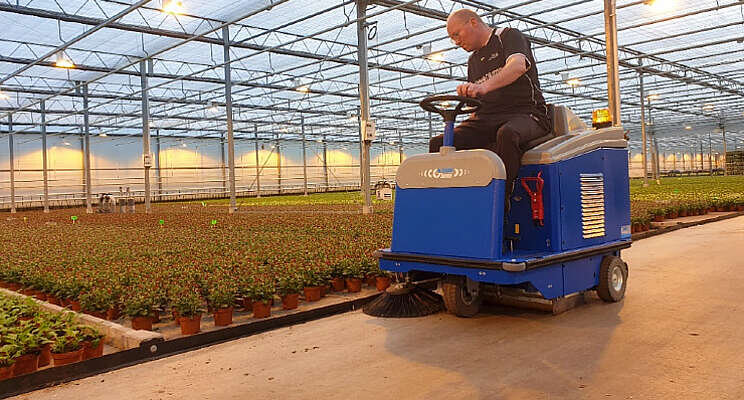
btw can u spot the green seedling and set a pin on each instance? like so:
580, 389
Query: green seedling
74, 218
161, 223
214, 222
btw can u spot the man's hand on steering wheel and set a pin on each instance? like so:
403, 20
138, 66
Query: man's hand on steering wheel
473, 90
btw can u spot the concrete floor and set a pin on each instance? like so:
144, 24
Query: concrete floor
679, 334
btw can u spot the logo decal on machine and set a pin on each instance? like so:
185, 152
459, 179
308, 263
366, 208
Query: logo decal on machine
444, 173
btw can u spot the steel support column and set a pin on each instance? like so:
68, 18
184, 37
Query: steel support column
325, 163
400, 147
229, 114
44, 172
11, 154
157, 164
278, 165
304, 155
146, 162
258, 166
644, 152
222, 163
613, 77
725, 148
86, 157
361, 6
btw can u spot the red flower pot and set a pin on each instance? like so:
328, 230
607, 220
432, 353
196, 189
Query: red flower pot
740, 207
324, 290
312, 293
97, 314
683, 213
223, 316
176, 316
14, 286
113, 313
28, 292
338, 284
371, 280
190, 325
290, 301
6, 372
644, 227
64, 302
67, 358
40, 295
658, 218
92, 352
382, 283
247, 304
142, 323
75, 305
45, 357
53, 300
26, 364
354, 285
261, 309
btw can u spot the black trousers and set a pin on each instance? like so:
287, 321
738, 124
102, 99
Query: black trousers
507, 136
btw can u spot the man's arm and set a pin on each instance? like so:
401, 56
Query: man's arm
516, 66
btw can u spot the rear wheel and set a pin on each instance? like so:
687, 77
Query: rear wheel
613, 279
458, 299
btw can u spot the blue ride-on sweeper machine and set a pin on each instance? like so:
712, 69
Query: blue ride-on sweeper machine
568, 220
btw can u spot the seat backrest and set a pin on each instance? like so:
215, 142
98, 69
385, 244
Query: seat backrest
560, 119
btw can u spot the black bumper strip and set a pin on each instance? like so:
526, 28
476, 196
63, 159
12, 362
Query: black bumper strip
498, 265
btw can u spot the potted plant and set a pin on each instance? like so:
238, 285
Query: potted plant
139, 308
658, 215
383, 279
8, 355
46, 329
92, 342
354, 274
95, 302
220, 297
262, 293
288, 287
30, 345
312, 282
189, 306
338, 283
67, 347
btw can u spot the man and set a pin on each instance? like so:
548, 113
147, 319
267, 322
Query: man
502, 73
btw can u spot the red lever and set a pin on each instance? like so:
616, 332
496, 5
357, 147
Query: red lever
536, 198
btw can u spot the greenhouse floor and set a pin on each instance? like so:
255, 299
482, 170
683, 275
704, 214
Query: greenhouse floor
678, 334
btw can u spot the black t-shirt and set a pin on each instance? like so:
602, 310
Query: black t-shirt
523, 96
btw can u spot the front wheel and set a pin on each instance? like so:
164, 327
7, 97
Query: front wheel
458, 299
613, 279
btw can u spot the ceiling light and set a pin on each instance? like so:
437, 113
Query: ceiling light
213, 107
63, 61
709, 107
688, 127
437, 57
303, 89
183, 144
654, 96
4, 96
573, 82
66, 143
102, 134
660, 5
172, 7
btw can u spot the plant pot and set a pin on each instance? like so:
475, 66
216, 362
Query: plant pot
324, 290
53, 300
658, 218
28, 292
14, 286
40, 295
64, 302
68, 358
45, 357
354, 285
371, 280
338, 284
223, 316
190, 325
382, 283
290, 301
113, 313
261, 309
6, 372
645, 227
26, 364
312, 293
97, 314
740, 207
142, 323
247, 304
683, 213
156, 316
720, 209
75, 305
92, 352
176, 316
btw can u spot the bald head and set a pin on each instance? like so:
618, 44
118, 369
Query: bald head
467, 30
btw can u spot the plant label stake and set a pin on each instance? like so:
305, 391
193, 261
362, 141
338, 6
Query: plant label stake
204, 204
214, 222
25, 219
161, 222
74, 218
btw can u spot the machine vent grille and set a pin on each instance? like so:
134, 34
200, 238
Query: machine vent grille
592, 205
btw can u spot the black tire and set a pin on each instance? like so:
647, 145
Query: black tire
457, 300
613, 279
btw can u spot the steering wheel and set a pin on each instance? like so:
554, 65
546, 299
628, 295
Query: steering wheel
466, 105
